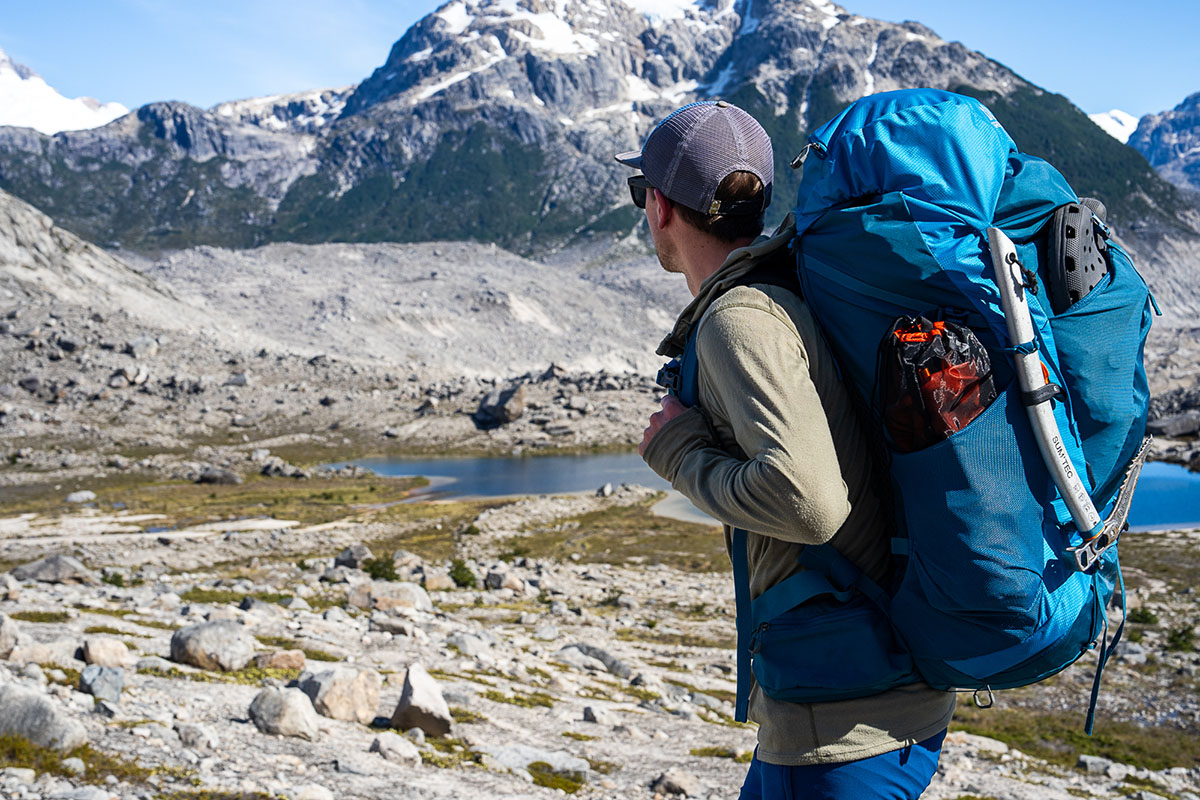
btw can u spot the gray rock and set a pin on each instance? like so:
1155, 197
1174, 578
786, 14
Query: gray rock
59, 651
74, 766
105, 651
572, 656
220, 645
141, 347
104, 683
468, 644
354, 556
285, 712
546, 633
10, 587
9, 632
396, 626
1093, 765
676, 781
421, 704
346, 693
357, 764
520, 756
597, 715
396, 748
56, 569
29, 713
219, 476
613, 664
83, 496
389, 595
254, 604
500, 407
605, 491
196, 736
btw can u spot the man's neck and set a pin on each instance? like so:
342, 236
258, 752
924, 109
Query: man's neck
703, 255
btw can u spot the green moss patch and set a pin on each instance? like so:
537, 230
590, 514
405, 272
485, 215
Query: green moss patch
627, 535
466, 715
566, 781
71, 676
1060, 739
675, 639
449, 753
41, 616
17, 751
579, 737
531, 700
107, 629
250, 676
742, 757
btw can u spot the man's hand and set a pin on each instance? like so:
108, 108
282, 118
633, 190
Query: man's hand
671, 408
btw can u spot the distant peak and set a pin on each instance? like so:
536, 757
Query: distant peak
23, 72
1116, 123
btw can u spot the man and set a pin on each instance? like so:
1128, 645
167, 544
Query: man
772, 445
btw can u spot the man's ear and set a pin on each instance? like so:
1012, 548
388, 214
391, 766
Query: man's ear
664, 209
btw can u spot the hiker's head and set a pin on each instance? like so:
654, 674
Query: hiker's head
708, 167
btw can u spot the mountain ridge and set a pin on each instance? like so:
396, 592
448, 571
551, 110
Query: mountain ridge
495, 120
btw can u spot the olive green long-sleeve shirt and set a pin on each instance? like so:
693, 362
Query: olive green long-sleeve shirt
774, 447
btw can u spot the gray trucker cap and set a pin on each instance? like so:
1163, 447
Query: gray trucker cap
689, 153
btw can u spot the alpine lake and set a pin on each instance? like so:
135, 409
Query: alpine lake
1167, 497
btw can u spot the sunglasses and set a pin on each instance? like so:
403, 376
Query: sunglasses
638, 187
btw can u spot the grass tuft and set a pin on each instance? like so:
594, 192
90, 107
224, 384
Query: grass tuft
41, 616
545, 775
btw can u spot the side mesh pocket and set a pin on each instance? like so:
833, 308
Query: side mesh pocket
976, 511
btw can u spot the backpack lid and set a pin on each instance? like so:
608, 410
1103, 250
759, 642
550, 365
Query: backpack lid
938, 147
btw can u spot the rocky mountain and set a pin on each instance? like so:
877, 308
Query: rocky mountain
495, 120
1170, 141
26, 100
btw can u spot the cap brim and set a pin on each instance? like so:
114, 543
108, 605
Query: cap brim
631, 159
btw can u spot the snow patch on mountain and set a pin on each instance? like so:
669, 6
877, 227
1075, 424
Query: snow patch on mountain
660, 10
302, 111
1116, 123
26, 100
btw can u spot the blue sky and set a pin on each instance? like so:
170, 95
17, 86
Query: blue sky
1103, 54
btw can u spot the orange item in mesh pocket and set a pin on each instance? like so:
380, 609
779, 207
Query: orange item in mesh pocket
935, 378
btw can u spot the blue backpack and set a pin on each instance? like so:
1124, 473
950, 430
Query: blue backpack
892, 214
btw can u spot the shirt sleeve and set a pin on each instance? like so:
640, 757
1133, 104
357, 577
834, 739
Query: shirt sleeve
786, 482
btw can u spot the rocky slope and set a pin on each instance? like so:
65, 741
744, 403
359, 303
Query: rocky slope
317, 660
1170, 141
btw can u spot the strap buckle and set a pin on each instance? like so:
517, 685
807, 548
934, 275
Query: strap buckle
670, 376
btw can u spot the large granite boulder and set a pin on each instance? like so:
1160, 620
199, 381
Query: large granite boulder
422, 704
221, 645
285, 712
343, 692
56, 569
32, 715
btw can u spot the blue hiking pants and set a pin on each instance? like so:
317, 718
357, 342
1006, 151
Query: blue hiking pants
899, 775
